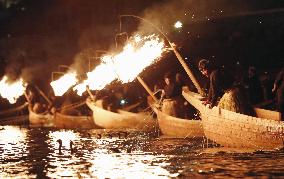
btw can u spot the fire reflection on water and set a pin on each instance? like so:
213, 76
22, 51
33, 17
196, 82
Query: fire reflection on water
34, 153
129, 166
103, 161
13, 149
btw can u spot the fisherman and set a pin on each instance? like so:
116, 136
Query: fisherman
217, 82
278, 88
253, 85
36, 103
186, 109
172, 103
222, 90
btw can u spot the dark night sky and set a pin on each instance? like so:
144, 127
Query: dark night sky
36, 36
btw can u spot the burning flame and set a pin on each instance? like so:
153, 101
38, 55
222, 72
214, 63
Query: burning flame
12, 91
98, 78
139, 53
61, 85
178, 24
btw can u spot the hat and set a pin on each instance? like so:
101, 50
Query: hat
203, 64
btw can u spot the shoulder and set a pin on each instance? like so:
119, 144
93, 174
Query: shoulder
215, 73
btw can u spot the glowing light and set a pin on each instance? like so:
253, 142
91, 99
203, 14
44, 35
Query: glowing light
65, 82
65, 135
13, 142
62, 168
137, 56
137, 166
12, 91
97, 79
178, 25
139, 53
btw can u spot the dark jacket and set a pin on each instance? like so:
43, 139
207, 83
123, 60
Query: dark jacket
279, 81
172, 90
219, 81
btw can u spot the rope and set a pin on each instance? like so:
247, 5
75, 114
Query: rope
74, 105
14, 109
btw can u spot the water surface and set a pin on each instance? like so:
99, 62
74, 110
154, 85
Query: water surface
35, 153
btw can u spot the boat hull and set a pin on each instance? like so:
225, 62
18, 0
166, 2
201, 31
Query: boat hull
41, 120
67, 121
177, 127
236, 130
15, 120
15, 116
121, 120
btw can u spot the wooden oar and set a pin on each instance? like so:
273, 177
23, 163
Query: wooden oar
71, 106
128, 108
90, 93
14, 109
43, 95
147, 88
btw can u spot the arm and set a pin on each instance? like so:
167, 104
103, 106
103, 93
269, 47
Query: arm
278, 80
214, 88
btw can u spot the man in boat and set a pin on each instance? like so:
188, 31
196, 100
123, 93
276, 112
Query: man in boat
222, 90
36, 103
216, 82
253, 86
278, 87
172, 103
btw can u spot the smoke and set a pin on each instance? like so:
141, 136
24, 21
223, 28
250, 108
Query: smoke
165, 13
49, 33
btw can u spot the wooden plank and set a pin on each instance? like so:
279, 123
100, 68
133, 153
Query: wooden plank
267, 114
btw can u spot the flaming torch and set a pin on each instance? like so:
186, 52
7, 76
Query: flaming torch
65, 82
125, 66
12, 91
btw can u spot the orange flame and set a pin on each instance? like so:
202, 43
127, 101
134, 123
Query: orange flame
139, 53
12, 91
61, 85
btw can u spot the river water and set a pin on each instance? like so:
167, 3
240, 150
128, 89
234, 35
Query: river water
36, 153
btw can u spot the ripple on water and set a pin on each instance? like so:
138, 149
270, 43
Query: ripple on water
36, 152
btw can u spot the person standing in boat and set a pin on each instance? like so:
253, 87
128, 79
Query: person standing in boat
278, 88
253, 86
223, 92
172, 103
217, 82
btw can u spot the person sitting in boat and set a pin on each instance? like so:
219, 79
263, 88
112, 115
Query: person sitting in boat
70, 97
188, 110
172, 103
278, 87
36, 103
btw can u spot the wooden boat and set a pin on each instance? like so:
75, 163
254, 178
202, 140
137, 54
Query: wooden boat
15, 116
15, 120
71, 122
231, 129
120, 120
59, 120
41, 120
69, 118
178, 127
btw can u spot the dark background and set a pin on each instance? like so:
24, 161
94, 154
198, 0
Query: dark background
38, 35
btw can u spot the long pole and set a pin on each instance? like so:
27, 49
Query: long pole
90, 93
43, 95
179, 57
147, 88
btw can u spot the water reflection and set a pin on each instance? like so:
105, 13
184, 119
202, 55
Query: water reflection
34, 153
129, 166
61, 162
13, 151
